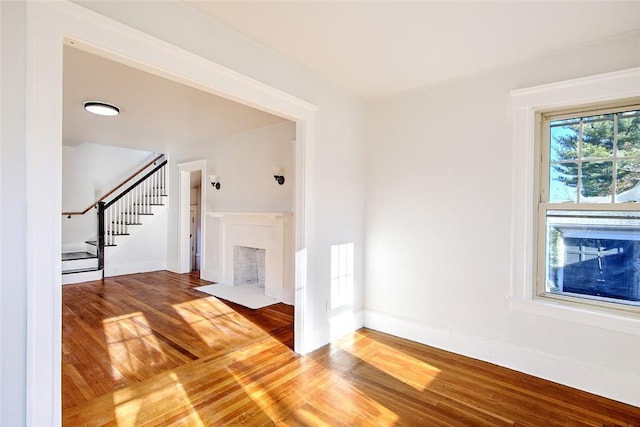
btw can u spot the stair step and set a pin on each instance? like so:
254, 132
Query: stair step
119, 234
157, 195
71, 256
81, 261
126, 223
135, 213
70, 277
149, 204
81, 270
95, 243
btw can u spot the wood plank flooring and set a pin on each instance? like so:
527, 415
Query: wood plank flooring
147, 349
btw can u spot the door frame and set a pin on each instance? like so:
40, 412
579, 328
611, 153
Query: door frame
184, 216
49, 25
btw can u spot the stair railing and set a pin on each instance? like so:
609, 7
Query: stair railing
114, 189
126, 207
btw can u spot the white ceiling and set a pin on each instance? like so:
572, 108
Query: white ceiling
155, 113
368, 48
377, 48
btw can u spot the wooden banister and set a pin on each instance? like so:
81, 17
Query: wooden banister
113, 190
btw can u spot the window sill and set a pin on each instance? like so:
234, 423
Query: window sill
626, 322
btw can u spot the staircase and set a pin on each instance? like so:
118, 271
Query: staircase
119, 212
80, 267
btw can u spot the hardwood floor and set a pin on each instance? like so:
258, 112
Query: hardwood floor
146, 349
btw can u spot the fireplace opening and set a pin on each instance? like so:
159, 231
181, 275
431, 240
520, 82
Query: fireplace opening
248, 266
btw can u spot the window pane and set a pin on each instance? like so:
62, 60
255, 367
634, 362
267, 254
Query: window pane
597, 136
596, 182
628, 176
582, 153
564, 139
594, 255
629, 134
563, 179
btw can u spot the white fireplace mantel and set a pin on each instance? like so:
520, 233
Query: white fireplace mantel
244, 214
262, 230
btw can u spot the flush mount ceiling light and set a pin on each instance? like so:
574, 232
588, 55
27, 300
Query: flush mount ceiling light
101, 108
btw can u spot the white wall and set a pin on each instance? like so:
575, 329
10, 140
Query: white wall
13, 261
243, 164
89, 171
438, 227
145, 249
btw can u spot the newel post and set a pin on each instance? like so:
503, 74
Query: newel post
100, 242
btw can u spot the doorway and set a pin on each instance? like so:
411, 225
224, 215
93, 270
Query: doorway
49, 24
195, 219
191, 212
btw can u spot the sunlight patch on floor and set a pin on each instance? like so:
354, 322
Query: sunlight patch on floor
307, 417
133, 406
327, 390
215, 323
393, 362
199, 315
126, 407
132, 346
202, 308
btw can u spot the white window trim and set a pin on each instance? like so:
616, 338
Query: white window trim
525, 104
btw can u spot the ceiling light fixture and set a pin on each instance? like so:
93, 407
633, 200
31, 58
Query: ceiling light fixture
101, 108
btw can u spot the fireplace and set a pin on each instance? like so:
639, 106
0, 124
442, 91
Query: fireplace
252, 247
248, 266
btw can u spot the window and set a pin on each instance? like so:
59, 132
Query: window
589, 206
532, 206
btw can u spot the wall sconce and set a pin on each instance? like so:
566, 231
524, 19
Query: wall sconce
278, 175
214, 181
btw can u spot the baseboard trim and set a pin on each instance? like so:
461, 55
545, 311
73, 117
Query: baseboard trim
139, 267
210, 275
81, 277
603, 381
288, 297
338, 325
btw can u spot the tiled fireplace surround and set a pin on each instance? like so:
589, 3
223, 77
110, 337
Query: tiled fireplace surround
248, 266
